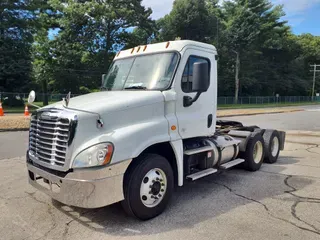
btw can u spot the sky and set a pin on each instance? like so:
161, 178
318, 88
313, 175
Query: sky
302, 15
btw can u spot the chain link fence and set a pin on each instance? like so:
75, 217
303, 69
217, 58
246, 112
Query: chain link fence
267, 100
22, 98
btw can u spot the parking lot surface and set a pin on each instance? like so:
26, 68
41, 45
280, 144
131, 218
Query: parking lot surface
281, 201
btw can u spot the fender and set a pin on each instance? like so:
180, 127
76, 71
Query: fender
128, 146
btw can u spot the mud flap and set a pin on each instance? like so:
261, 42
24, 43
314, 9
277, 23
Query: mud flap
282, 139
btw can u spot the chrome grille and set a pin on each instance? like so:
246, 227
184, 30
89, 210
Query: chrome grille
49, 138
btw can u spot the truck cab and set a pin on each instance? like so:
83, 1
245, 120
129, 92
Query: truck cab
151, 127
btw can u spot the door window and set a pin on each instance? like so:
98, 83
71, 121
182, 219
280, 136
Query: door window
187, 77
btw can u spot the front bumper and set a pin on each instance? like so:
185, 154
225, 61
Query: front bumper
86, 188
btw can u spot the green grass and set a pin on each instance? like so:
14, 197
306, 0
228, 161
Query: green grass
21, 109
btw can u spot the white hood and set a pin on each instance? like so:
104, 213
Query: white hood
109, 101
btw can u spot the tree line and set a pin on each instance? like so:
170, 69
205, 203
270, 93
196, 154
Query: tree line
57, 46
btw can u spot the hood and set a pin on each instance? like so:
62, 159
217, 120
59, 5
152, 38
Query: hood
108, 101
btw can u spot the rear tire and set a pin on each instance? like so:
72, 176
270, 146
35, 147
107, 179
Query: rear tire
254, 153
148, 186
272, 146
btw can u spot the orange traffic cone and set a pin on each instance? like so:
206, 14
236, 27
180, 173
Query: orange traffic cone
1, 110
26, 111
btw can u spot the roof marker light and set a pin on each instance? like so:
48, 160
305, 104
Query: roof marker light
168, 44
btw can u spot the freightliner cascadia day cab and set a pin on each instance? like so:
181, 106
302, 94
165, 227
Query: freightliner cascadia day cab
152, 127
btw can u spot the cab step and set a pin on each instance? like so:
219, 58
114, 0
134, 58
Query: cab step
231, 163
201, 174
198, 150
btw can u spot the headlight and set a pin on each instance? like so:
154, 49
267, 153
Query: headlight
96, 155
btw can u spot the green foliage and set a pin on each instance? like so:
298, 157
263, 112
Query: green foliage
89, 33
189, 19
15, 43
271, 57
13, 100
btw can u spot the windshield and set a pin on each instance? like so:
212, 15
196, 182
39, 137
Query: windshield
152, 72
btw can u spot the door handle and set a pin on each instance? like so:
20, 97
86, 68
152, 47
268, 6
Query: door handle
210, 120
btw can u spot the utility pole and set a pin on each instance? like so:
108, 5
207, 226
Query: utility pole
315, 66
237, 81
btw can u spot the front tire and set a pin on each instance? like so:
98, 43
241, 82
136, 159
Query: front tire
148, 186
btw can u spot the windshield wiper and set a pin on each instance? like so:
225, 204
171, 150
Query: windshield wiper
136, 87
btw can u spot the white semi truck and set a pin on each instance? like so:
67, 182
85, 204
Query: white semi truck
152, 127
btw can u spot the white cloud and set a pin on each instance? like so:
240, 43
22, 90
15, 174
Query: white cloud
294, 7
159, 7
296, 10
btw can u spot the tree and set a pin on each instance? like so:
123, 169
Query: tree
189, 19
141, 36
248, 25
15, 44
258, 54
90, 33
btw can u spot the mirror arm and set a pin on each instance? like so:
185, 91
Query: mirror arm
187, 101
33, 105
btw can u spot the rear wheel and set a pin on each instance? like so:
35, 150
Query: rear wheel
272, 146
254, 153
148, 187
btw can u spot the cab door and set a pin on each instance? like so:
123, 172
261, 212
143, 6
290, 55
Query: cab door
199, 118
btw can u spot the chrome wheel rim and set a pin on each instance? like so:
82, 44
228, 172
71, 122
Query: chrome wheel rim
275, 146
153, 187
257, 152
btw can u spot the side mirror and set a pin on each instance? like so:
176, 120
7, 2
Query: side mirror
31, 97
200, 81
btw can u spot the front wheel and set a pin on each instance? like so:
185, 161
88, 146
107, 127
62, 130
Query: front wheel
148, 186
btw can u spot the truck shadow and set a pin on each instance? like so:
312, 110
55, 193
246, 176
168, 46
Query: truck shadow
286, 160
191, 204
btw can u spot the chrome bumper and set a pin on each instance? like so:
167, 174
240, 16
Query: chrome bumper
89, 188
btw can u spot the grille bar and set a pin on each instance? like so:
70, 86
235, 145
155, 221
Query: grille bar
48, 133
41, 141
50, 122
49, 160
49, 128
54, 138
37, 145
50, 155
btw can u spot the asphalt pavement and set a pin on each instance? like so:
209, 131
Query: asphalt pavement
307, 120
281, 201
13, 144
